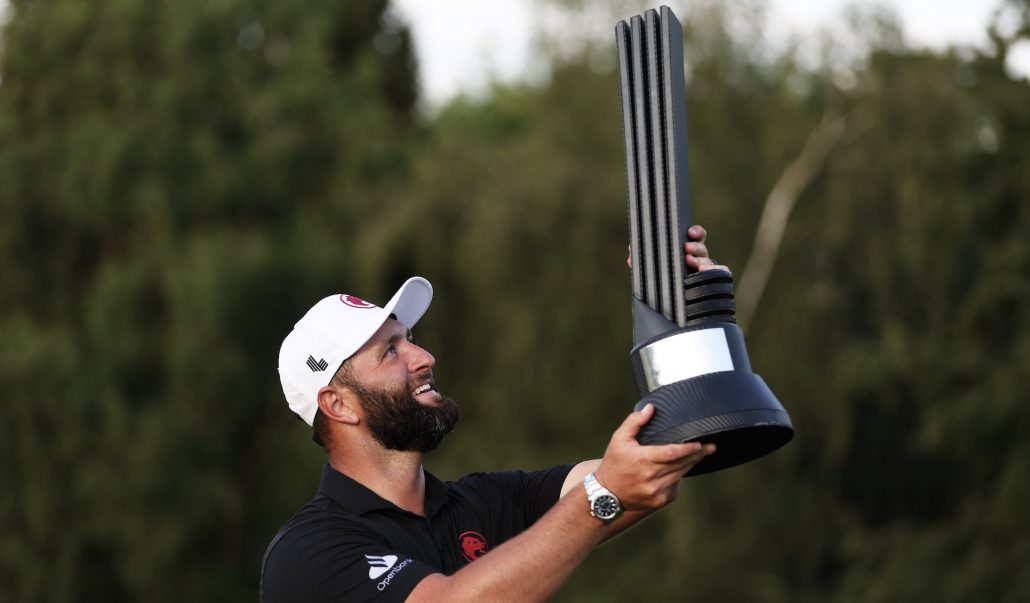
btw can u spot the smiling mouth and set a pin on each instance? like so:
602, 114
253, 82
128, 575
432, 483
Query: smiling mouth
426, 387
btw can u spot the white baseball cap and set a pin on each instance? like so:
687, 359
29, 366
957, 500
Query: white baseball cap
331, 331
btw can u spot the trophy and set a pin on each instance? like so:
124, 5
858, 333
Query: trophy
688, 357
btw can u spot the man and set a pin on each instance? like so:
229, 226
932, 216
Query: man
383, 529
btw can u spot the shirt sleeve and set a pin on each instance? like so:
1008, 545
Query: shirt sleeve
345, 562
535, 491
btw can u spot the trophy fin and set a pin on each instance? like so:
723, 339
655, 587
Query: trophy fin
648, 324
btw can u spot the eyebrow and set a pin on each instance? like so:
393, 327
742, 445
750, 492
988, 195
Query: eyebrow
407, 336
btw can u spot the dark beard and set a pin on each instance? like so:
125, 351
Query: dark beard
398, 422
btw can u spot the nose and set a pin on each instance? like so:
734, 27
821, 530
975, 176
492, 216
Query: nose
420, 359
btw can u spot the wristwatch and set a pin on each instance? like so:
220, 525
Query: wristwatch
603, 504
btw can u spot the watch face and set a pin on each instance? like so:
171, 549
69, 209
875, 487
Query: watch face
606, 506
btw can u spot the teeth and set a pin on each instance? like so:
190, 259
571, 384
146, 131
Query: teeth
422, 388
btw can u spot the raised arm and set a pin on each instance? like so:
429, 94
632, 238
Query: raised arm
534, 564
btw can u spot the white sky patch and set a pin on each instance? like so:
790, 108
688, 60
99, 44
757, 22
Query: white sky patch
464, 44
1017, 62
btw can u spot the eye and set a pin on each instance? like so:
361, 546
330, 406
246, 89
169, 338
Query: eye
390, 349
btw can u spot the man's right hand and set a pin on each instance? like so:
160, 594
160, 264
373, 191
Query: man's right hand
645, 477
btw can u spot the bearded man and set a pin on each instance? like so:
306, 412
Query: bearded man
381, 528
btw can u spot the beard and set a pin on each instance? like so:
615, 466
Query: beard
399, 422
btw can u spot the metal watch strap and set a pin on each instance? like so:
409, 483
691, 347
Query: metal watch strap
592, 485
596, 491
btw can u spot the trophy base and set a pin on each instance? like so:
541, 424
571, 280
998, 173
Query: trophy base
748, 421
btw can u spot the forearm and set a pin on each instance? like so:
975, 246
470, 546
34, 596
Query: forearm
531, 566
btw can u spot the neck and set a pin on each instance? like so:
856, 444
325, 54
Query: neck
395, 476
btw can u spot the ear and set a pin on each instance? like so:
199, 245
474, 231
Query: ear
338, 404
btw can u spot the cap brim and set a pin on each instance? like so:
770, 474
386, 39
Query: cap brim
411, 301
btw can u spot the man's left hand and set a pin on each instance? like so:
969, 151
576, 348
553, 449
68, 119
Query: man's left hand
695, 252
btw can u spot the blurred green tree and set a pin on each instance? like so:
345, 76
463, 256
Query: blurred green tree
177, 181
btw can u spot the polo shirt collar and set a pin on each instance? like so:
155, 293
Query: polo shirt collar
353, 497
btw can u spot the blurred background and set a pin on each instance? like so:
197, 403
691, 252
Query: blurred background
179, 181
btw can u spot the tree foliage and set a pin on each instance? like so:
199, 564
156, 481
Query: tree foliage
179, 181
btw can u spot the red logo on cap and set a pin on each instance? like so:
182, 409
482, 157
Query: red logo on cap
355, 302
473, 545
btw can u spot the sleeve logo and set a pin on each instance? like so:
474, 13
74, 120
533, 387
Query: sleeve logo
379, 565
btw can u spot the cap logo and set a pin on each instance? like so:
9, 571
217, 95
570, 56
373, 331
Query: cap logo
355, 302
317, 366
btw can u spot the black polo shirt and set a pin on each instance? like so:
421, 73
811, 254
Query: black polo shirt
348, 544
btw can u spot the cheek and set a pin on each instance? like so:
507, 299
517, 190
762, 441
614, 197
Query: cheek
389, 380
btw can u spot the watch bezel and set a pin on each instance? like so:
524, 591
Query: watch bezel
608, 501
